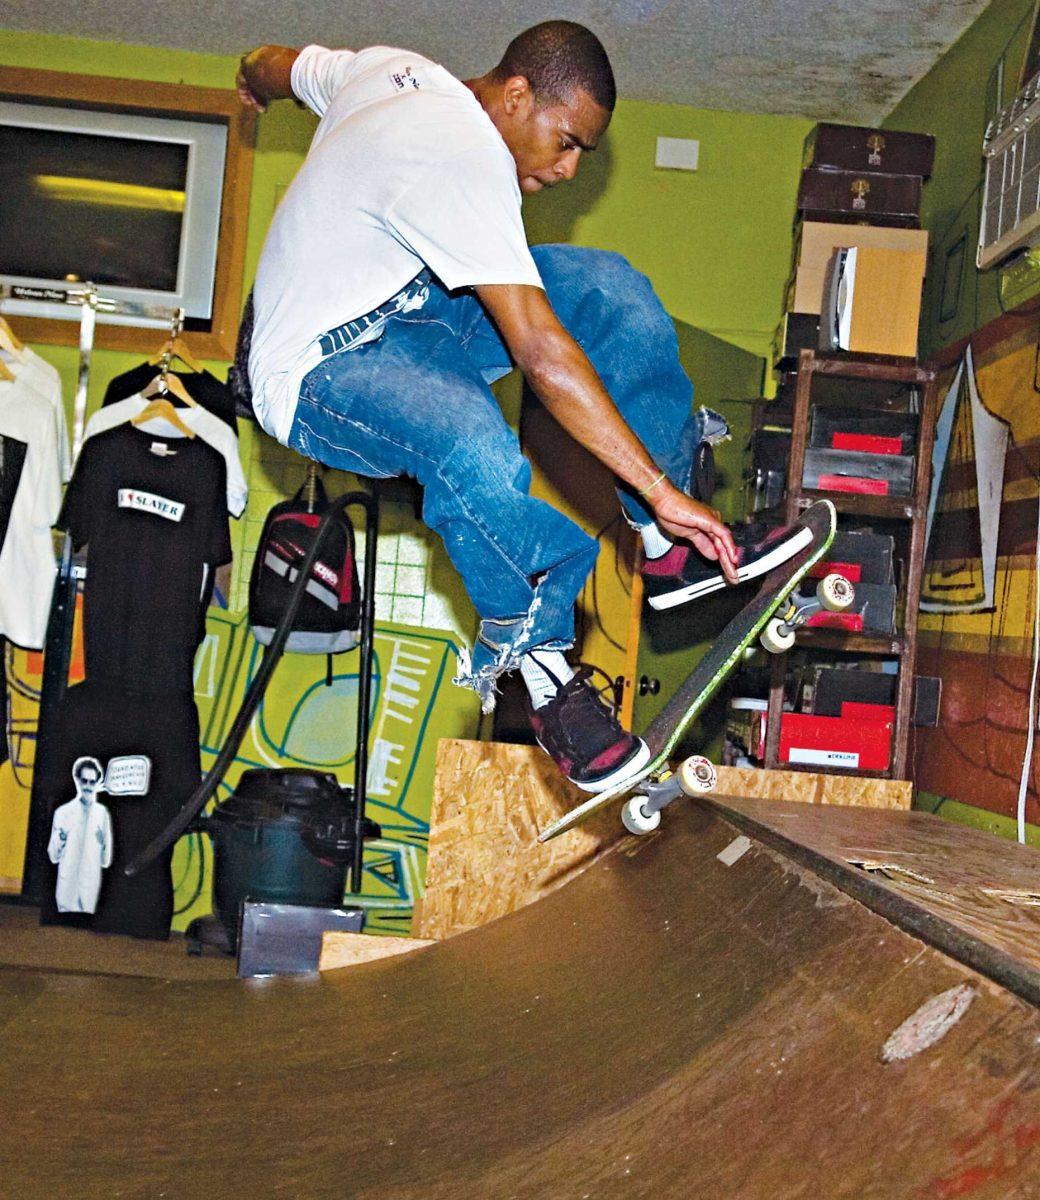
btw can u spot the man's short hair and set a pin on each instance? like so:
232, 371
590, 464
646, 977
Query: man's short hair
558, 58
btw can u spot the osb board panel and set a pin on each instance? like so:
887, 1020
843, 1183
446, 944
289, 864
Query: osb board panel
489, 802
804, 787
342, 949
983, 889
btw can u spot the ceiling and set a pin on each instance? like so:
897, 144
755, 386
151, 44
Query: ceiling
846, 60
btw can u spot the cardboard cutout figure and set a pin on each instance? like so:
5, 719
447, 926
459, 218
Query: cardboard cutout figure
81, 840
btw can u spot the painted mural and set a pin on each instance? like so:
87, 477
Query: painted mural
307, 719
985, 657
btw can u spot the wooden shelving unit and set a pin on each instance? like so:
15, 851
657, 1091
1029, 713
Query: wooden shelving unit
912, 509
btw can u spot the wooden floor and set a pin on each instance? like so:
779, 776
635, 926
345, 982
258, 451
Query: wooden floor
664, 1025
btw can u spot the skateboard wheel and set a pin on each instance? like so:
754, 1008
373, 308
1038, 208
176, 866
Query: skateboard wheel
698, 775
635, 820
835, 593
777, 637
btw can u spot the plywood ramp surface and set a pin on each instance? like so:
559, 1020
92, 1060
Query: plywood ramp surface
664, 1026
976, 897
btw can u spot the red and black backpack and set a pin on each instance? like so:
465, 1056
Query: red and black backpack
329, 617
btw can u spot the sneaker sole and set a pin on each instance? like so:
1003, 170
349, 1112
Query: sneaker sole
627, 769
716, 583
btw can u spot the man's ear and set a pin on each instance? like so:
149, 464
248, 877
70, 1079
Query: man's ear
516, 95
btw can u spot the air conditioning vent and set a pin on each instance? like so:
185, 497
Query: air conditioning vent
1011, 193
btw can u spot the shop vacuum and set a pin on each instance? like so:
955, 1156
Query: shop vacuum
288, 837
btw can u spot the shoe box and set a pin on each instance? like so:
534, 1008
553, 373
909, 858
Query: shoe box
766, 477
860, 739
796, 332
862, 557
869, 431
857, 173
852, 196
845, 719
858, 472
823, 691
815, 247
863, 452
836, 147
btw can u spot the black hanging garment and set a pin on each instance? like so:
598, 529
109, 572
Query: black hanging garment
152, 512
148, 750
205, 389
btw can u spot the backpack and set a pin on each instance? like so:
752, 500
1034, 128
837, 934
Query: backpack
329, 617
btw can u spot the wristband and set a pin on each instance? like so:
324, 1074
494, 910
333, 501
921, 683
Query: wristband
650, 486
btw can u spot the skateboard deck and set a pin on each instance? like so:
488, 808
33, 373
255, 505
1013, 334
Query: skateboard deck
663, 733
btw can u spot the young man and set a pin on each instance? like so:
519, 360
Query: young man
396, 284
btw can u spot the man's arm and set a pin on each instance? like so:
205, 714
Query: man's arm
567, 384
265, 74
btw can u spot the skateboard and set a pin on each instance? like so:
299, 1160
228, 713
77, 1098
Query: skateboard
772, 615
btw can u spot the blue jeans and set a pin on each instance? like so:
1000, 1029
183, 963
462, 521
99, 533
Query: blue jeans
415, 400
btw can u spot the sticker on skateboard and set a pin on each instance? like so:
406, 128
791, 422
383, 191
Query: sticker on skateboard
773, 614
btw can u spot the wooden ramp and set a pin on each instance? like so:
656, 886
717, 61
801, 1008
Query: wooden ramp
668, 1023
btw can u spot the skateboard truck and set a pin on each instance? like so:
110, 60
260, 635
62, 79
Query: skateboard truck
642, 813
834, 593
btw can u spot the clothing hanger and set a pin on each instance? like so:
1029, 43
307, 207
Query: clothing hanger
9, 342
162, 407
169, 385
165, 385
175, 347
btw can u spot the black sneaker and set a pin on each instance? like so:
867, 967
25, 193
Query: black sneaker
582, 735
682, 574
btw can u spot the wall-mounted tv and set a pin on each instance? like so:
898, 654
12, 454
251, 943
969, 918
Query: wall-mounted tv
140, 187
128, 201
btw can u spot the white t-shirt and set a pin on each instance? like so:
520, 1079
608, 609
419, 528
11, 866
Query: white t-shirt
29, 368
204, 424
30, 467
406, 170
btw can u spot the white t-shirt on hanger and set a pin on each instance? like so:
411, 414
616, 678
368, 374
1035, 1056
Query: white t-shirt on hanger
27, 562
38, 374
204, 424
405, 171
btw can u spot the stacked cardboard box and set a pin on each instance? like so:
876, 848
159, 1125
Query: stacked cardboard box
860, 191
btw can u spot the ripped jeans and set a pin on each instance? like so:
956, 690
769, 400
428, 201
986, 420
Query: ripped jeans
408, 394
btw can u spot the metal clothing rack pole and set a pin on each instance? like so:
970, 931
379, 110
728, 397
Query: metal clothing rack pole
61, 621
370, 503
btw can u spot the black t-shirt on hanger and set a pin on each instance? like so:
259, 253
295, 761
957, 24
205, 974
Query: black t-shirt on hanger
153, 512
201, 386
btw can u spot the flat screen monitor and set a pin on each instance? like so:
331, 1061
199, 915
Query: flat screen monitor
126, 201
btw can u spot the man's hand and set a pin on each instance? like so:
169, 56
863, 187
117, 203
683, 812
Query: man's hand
245, 93
685, 518
265, 74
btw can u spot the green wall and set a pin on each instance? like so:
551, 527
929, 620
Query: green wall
716, 242
954, 102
